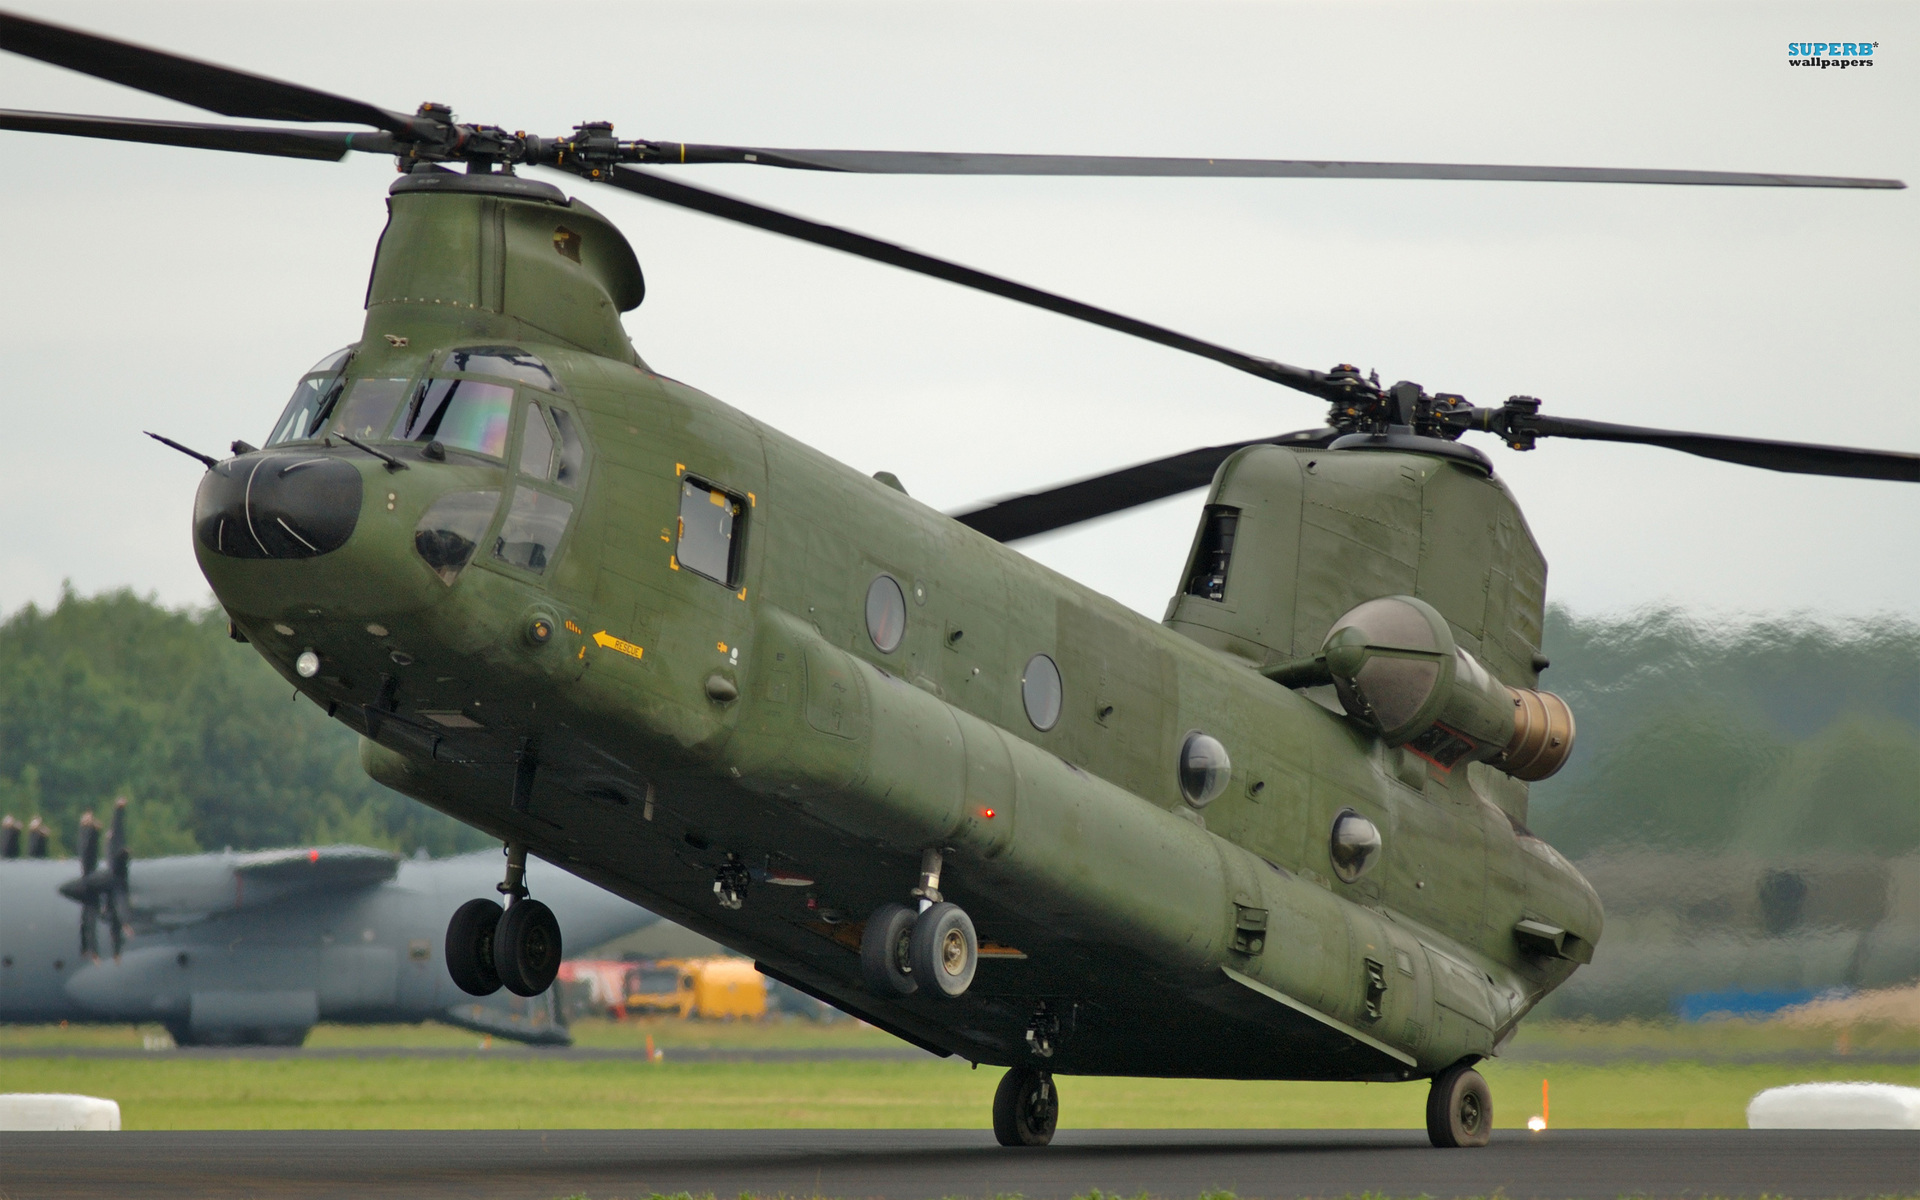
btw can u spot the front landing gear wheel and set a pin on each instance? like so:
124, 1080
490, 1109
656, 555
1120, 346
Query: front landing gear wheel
943, 950
1025, 1108
526, 948
883, 951
1459, 1108
470, 947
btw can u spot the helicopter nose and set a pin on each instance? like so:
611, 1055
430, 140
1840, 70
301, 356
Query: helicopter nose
277, 506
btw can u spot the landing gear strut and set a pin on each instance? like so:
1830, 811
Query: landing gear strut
1459, 1108
902, 950
518, 948
1025, 1108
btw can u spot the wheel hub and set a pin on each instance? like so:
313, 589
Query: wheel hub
953, 952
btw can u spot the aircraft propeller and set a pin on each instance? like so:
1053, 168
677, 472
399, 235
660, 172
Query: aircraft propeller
1359, 408
102, 889
89, 846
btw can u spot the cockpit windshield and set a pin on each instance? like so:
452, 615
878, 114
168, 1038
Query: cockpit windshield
460, 414
313, 400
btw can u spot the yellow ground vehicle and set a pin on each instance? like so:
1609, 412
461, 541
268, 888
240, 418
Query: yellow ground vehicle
714, 988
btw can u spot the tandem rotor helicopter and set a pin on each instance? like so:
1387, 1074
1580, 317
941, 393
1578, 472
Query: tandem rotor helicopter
627, 629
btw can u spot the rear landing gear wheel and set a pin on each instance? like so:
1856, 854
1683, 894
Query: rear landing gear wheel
470, 947
944, 950
1025, 1108
1459, 1108
526, 948
883, 951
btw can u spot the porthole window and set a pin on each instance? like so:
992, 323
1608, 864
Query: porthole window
1355, 845
1040, 691
886, 614
1204, 769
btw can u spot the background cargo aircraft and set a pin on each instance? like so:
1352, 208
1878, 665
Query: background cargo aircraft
257, 946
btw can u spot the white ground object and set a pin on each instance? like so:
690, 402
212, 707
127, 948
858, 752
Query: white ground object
39, 1111
1835, 1106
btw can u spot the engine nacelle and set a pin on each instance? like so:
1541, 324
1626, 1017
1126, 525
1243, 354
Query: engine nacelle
1397, 669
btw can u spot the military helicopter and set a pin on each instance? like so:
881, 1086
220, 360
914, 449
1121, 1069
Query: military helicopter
631, 631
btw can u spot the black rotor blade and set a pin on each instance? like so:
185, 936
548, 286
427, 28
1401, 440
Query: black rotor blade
911, 162
325, 145
205, 85
1801, 458
1082, 500
746, 212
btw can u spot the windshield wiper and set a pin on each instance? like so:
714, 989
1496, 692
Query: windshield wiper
393, 464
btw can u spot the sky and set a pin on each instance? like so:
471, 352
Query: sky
185, 291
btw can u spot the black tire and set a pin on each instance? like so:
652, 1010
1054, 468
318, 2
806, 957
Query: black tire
1025, 1108
1459, 1108
943, 950
470, 947
884, 951
526, 948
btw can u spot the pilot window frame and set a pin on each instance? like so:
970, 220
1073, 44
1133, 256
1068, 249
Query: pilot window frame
736, 530
523, 491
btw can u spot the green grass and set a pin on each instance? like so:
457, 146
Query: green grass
168, 1092
779, 1032
1682, 1087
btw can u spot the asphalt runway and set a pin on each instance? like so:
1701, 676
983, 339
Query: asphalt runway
923, 1164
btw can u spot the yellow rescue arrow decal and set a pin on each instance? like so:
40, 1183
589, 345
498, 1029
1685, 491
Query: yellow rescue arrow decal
603, 638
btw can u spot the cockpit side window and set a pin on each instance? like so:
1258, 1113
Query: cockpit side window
313, 400
537, 518
536, 445
573, 455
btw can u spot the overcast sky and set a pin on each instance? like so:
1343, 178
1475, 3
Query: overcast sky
185, 291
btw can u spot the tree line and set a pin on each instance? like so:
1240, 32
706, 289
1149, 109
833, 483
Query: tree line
1772, 736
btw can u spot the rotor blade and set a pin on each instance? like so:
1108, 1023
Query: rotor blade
1798, 457
745, 212
1040, 512
910, 162
326, 145
205, 85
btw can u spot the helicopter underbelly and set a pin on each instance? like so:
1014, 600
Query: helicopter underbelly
1151, 946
